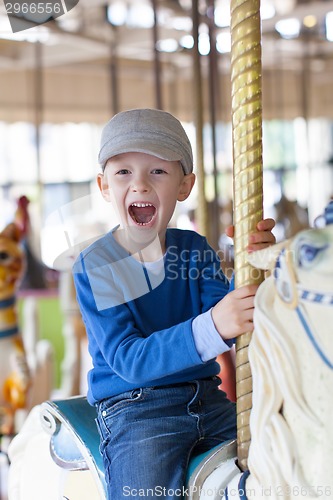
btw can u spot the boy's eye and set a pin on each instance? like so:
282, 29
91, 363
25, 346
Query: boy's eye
159, 171
123, 171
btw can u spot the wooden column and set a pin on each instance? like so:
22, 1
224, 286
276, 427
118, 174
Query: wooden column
157, 65
214, 225
201, 216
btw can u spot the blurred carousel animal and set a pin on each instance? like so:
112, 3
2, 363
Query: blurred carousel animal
290, 216
35, 272
14, 371
291, 356
77, 361
39, 352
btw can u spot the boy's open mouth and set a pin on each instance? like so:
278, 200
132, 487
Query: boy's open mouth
142, 213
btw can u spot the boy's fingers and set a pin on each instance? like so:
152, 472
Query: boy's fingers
229, 231
257, 247
262, 237
246, 291
266, 225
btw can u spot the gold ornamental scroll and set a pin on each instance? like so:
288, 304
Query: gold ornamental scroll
246, 100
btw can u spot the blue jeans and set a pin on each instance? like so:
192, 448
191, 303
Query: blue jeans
149, 435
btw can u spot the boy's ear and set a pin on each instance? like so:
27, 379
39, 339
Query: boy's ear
103, 187
186, 187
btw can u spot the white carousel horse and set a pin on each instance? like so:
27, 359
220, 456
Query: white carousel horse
291, 356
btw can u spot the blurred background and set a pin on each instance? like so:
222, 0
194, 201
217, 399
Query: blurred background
61, 81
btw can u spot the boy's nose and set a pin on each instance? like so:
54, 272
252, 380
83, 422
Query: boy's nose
140, 185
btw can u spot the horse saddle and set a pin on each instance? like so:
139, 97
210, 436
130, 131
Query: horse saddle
74, 445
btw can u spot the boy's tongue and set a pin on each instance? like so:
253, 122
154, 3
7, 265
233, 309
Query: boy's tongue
142, 215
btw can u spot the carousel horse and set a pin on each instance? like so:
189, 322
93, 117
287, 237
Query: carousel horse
14, 371
291, 216
291, 356
35, 272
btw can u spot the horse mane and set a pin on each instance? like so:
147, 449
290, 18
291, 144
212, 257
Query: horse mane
273, 457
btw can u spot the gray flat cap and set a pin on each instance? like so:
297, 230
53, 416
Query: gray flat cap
150, 131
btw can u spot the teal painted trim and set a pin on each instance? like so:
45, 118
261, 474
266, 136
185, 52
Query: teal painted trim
10, 332
7, 302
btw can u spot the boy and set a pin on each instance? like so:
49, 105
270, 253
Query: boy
157, 313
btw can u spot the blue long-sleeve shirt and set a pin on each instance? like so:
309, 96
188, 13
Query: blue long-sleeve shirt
140, 321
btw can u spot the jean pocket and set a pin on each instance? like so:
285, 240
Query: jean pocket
111, 407
103, 433
103, 447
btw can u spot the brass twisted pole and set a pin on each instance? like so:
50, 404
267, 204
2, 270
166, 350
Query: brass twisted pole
248, 194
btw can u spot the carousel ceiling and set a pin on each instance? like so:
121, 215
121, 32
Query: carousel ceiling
97, 36
94, 27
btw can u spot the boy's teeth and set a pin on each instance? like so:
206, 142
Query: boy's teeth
141, 205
